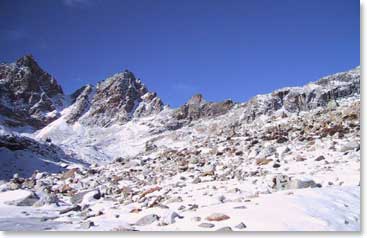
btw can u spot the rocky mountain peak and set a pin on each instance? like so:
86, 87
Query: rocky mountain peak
118, 99
29, 96
27, 61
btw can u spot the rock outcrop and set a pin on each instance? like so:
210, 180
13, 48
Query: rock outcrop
197, 108
325, 92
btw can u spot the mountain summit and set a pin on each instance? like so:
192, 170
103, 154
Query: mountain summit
117, 99
29, 96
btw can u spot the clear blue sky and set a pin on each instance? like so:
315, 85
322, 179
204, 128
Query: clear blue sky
221, 48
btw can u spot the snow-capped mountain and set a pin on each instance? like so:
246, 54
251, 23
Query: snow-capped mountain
133, 163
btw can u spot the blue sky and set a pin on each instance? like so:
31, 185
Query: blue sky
221, 48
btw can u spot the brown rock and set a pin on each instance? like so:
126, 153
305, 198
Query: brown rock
151, 190
135, 210
263, 161
300, 159
217, 217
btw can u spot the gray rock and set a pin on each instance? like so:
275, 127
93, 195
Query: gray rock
349, 146
240, 207
147, 220
197, 108
241, 226
321, 157
282, 182
170, 218
221, 198
75, 208
196, 219
206, 225
196, 180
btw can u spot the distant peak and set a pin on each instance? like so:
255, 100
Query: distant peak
197, 99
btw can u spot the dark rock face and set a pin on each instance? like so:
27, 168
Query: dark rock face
197, 108
81, 103
119, 99
294, 100
28, 94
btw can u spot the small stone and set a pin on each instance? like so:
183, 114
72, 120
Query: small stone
193, 207
300, 159
135, 210
320, 158
263, 161
217, 217
241, 226
196, 180
276, 165
221, 198
240, 207
174, 199
196, 219
206, 225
